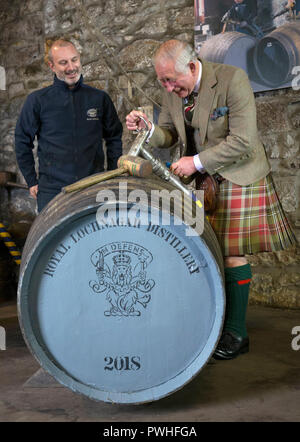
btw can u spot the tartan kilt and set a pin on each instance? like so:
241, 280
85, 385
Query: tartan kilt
250, 219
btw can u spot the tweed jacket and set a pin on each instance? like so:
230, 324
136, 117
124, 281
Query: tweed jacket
229, 144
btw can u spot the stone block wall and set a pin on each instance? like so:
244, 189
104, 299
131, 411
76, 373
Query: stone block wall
276, 278
117, 40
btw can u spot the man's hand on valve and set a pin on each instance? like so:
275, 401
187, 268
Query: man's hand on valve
183, 167
134, 122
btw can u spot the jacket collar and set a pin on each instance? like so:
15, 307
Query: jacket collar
205, 99
63, 85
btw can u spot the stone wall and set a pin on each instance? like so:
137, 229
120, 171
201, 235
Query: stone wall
117, 40
276, 275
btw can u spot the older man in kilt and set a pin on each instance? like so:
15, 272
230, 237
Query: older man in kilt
210, 108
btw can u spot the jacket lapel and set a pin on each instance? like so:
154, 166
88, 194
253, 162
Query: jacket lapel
177, 116
204, 101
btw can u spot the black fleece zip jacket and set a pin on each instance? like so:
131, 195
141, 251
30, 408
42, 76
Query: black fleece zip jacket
70, 125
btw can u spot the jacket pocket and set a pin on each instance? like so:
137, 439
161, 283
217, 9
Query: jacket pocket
218, 128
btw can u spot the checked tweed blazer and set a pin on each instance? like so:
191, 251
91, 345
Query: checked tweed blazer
228, 145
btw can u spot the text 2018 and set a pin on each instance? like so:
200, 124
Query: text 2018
122, 363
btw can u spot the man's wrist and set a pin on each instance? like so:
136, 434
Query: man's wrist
31, 183
198, 164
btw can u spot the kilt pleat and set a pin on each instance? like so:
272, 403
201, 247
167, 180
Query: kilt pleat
250, 219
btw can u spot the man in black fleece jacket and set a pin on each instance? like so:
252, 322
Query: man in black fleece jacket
70, 120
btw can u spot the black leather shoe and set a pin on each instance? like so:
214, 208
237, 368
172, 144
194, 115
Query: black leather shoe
230, 346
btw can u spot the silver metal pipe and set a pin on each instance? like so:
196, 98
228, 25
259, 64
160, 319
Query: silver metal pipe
162, 171
140, 140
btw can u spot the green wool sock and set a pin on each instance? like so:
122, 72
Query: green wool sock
237, 285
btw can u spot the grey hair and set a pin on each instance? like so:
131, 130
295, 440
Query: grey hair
60, 43
179, 51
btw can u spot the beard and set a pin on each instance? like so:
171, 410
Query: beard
70, 77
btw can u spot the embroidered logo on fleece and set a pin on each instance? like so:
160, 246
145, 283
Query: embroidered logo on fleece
92, 114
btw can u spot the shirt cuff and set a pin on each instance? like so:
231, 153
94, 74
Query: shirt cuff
198, 164
150, 133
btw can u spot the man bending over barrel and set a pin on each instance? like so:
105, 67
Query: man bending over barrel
215, 104
70, 119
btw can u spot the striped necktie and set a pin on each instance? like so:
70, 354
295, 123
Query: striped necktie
189, 105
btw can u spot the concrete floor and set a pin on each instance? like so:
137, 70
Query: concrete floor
263, 385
